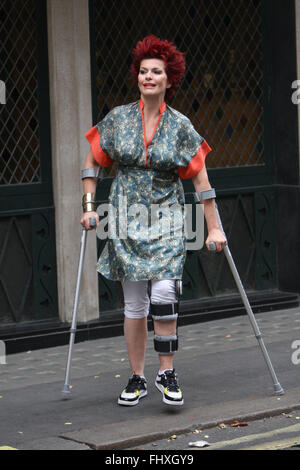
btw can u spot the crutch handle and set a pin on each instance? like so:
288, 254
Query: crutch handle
92, 222
212, 246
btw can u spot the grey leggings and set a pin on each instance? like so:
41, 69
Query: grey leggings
136, 298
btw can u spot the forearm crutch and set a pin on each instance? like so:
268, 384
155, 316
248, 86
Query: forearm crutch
66, 391
210, 194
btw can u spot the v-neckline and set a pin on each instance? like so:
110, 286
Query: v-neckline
162, 108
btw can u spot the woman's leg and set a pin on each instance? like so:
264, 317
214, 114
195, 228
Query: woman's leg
136, 310
136, 333
165, 334
164, 291
165, 328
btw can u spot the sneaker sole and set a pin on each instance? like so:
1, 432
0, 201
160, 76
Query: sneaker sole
165, 400
132, 402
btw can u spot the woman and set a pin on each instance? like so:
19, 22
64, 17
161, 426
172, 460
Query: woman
156, 147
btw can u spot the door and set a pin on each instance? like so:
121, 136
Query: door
225, 94
28, 289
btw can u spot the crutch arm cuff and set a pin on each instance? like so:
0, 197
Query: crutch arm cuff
91, 173
205, 195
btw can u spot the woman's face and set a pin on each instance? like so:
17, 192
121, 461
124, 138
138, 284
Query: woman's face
152, 78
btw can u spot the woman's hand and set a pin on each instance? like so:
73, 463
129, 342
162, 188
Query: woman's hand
216, 236
85, 220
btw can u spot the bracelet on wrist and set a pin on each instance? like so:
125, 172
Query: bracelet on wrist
88, 202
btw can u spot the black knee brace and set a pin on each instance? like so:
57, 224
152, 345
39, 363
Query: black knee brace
166, 312
166, 344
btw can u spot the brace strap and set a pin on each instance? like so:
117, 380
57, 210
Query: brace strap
164, 312
91, 173
178, 287
166, 344
204, 195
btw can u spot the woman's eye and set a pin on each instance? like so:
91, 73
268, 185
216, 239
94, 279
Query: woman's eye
157, 72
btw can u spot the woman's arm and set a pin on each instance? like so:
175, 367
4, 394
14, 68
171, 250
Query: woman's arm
89, 186
201, 183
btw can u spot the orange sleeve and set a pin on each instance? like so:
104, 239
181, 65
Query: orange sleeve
100, 156
196, 164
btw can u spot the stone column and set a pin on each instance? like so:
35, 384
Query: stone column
71, 117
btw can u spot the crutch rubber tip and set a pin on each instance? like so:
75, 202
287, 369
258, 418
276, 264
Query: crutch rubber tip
66, 391
278, 390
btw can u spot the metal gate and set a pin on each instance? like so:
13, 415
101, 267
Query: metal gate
28, 288
224, 93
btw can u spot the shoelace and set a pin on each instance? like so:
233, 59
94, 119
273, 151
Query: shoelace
171, 380
133, 383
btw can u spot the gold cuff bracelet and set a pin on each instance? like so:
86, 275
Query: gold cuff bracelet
88, 202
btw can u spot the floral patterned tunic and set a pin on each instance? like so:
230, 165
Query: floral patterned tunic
148, 180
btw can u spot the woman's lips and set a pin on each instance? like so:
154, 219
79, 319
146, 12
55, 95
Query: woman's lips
149, 85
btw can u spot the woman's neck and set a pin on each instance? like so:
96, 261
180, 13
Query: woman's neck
152, 106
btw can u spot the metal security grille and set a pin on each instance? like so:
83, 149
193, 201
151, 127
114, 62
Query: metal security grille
203, 276
28, 288
222, 92
27, 268
16, 284
19, 130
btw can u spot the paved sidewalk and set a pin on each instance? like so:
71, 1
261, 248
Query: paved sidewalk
220, 366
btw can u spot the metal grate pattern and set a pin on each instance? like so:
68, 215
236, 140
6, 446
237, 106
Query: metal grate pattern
16, 284
206, 278
222, 92
27, 268
19, 131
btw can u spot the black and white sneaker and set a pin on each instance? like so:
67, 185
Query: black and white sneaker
136, 389
168, 385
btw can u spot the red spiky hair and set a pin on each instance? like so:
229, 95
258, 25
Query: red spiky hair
152, 47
